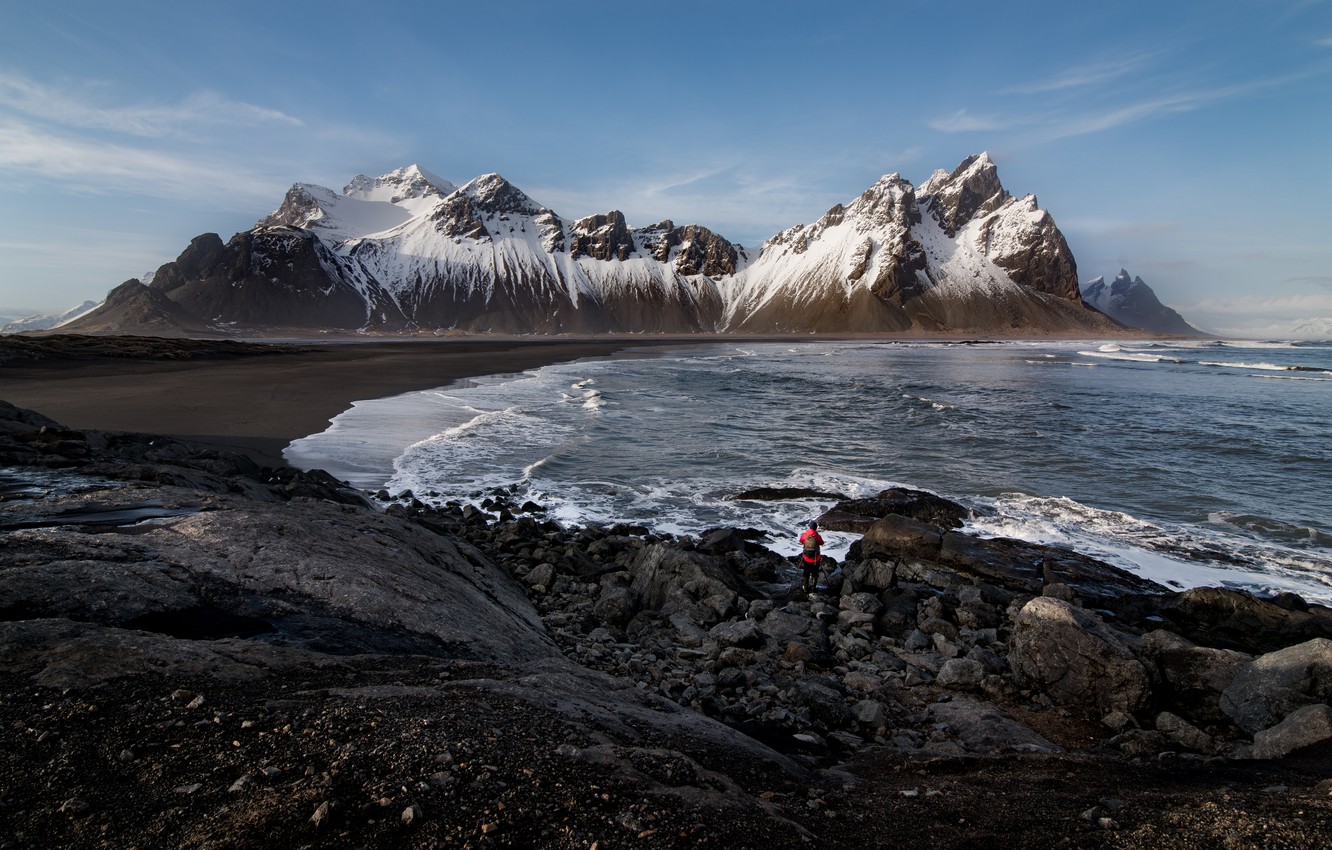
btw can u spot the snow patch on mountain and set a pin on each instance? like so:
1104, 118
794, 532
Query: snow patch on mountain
48, 321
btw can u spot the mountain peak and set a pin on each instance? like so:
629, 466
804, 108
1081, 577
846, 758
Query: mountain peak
1131, 301
493, 194
955, 198
401, 184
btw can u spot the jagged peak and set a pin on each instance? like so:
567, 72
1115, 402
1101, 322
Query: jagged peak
493, 193
400, 184
955, 197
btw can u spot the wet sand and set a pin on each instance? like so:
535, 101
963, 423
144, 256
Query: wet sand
258, 404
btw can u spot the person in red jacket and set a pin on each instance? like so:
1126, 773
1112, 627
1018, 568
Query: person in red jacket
811, 544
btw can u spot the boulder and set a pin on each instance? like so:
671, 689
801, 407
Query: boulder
1027, 568
615, 605
897, 536
857, 515
1302, 728
984, 728
960, 674
1216, 616
1274, 685
870, 574
827, 708
692, 582
1075, 657
719, 541
1193, 677
742, 633
1184, 734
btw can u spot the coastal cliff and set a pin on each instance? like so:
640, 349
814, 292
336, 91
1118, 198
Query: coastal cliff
196, 650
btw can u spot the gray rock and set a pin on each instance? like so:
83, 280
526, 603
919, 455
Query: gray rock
918, 641
861, 603
896, 536
870, 574
615, 605
1276, 684
960, 674
663, 575
1194, 677
985, 728
824, 702
411, 815
742, 633
1185, 734
871, 713
1076, 658
1302, 728
541, 574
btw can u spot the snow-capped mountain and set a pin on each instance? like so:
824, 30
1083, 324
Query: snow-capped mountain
961, 254
411, 251
48, 320
1131, 301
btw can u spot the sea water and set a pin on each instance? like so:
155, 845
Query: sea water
1191, 463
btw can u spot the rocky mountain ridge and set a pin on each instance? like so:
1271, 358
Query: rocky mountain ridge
1131, 301
410, 252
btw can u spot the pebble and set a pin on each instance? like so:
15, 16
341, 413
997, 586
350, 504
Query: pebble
320, 815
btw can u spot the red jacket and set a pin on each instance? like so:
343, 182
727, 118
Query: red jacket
810, 532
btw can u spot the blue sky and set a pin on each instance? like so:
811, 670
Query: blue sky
1188, 142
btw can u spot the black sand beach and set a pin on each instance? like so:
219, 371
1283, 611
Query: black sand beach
254, 399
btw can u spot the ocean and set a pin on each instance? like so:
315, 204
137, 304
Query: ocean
1192, 463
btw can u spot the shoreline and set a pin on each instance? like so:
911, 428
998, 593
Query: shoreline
257, 405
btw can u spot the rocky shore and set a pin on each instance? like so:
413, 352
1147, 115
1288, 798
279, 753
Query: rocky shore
199, 651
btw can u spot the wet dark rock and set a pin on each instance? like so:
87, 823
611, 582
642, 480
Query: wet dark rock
857, 515
1227, 618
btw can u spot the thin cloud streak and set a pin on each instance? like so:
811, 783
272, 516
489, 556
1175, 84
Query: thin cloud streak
1087, 75
97, 168
202, 109
964, 122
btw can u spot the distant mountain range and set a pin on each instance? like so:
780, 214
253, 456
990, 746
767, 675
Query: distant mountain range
47, 321
411, 252
1132, 302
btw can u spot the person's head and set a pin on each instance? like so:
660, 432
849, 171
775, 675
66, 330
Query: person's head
813, 524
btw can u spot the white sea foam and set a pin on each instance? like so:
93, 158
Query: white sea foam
1116, 353
667, 442
1173, 556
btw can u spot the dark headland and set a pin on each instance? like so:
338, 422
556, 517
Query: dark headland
200, 647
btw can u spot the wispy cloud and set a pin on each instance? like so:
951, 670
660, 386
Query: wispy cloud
1324, 42
1084, 76
198, 111
964, 122
91, 166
